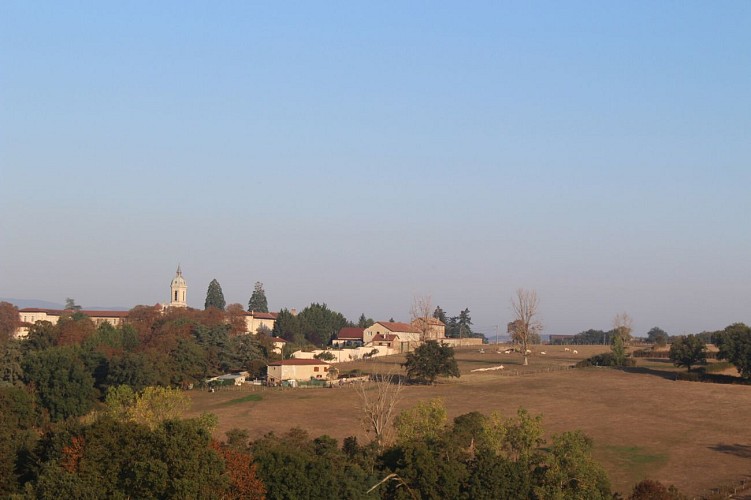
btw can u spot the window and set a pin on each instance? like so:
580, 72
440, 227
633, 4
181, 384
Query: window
316, 368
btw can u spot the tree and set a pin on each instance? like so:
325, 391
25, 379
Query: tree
377, 402
420, 315
465, 323
236, 319
258, 302
287, 327
9, 321
440, 315
649, 489
150, 407
734, 343
431, 360
74, 328
214, 296
244, 483
70, 305
426, 420
11, 355
571, 472
64, 385
688, 351
122, 459
319, 323
618, 348
525, 329
657, 336
364, 322
622, 326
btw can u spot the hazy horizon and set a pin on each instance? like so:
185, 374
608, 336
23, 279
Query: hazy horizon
360, 155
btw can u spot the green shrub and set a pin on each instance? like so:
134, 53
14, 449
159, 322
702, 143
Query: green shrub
717, 367
604, 359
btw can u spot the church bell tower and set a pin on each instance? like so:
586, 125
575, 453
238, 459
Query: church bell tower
178, 290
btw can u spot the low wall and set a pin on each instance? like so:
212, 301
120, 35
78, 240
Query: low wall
462, 342
344, 355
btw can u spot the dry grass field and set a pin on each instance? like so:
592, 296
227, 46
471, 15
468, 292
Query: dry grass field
693, 435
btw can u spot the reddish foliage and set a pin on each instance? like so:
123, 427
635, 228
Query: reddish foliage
649, 489
72, 454
212, 317
143, 319
74, 331
236, 319
244, 482
9, 320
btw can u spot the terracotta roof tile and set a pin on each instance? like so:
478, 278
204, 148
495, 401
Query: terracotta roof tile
398, 327
350, 333
91, 314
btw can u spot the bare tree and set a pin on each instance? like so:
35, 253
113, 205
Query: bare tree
378, 402
422, 314
622, 327
526, 328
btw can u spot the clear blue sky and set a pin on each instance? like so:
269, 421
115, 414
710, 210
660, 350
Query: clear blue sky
360, 153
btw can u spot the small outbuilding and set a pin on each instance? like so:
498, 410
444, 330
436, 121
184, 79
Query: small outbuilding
297, 369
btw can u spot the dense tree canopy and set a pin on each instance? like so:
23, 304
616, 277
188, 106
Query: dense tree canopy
364, 322
9, 321
688, 351
214, 296
657, 336
287, 326
431, 360
319, 324
63, 384
735, 346
258, 302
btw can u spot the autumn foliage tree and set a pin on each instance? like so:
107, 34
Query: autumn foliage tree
9, 321
244, 483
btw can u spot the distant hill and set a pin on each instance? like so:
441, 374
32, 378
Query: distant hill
43, 304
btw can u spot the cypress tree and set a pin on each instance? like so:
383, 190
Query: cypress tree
258, 302
214, 296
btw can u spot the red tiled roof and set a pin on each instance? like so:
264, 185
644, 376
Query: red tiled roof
277, 339
350, 333
294, 361
398, 327
262, 315
91, 314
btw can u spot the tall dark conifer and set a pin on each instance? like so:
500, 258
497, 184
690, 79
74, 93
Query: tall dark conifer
214, 296
258, 302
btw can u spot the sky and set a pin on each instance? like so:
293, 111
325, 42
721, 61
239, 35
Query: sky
360, 154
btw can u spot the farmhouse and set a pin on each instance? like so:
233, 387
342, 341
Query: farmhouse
278, 344
399, 335
255, 320
297, 369
348, 337
432, 328
31, 315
